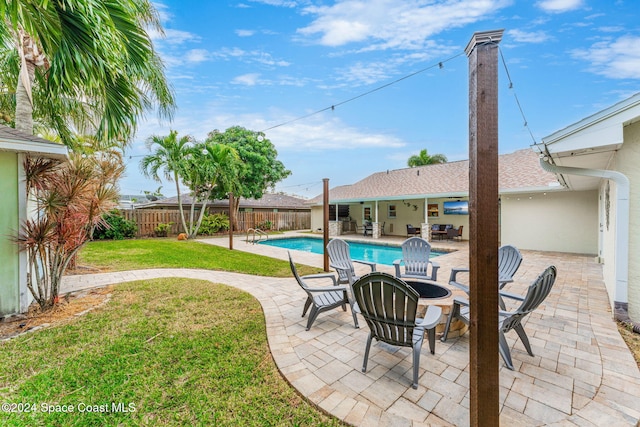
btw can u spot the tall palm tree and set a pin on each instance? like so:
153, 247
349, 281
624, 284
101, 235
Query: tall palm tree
424, 158
171, 156
211, 167
83, 64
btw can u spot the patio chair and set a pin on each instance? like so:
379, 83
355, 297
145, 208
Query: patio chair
415, 257
412, 231
324, 298
509, 260
340, 260
389, 307
454, 233
508, 320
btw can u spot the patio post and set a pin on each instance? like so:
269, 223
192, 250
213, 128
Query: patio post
482, 52
325, 221
231, 219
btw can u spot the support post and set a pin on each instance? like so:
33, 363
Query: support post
325, 220
231, 220
482, 52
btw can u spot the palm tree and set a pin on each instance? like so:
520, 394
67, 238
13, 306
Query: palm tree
171, 155
88, 65
210, 167
424, 158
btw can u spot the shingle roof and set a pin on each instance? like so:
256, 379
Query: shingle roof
518, 171
16, 135
268, 200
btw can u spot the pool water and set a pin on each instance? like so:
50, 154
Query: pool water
380, 254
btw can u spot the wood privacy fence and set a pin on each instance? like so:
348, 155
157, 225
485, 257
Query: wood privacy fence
148, 219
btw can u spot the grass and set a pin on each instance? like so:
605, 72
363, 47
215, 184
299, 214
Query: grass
121, 255
176, 351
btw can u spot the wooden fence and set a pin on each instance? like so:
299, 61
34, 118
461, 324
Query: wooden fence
148, 219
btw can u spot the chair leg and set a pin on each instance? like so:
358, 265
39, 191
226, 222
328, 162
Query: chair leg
523, 337
455, 309
307, 304
366, 352
431, 333
353, 313
416, 364
312, 316
504, 350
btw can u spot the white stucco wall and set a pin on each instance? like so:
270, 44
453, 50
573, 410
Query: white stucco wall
627, 161
563, 221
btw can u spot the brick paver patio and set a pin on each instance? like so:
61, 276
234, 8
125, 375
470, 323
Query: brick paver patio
582, 373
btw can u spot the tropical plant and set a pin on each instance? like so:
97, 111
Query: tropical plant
210, 167
211, 224
70, 199
170, 157
162, 229
424, 159
203, 168
87, 65
260, 170
114, 226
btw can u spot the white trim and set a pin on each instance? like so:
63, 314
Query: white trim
43, 148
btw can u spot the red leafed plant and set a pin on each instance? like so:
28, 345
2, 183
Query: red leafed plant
70, 198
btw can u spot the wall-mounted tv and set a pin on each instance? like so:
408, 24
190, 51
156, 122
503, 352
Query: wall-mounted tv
458, 207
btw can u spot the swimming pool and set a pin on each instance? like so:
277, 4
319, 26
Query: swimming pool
380, 254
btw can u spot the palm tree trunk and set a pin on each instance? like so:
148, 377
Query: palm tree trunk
184, 222
24, 107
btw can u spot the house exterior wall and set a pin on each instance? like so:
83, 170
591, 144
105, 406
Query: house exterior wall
558, 221
9, 224
627, 160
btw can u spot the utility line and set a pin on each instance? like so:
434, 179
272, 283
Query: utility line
440, 64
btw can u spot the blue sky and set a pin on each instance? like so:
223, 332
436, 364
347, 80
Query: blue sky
262, 63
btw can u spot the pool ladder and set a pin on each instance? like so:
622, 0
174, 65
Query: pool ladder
258, 232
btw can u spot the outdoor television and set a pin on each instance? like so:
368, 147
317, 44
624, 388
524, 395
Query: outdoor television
458, 207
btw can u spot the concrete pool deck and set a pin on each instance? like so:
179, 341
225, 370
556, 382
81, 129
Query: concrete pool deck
582, 372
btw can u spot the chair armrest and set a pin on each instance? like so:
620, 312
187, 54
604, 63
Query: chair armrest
370, 264
328, 289
460, 286
454, 273
321, 276
512, 296
396, 265
431, 317
461, 301
434, 270
502, 281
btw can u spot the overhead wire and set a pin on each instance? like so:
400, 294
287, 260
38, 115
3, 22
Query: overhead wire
439, 64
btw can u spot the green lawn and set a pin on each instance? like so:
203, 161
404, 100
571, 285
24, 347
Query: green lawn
175, 352
120, 255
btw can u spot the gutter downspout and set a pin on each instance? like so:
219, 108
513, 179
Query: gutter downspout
620, 297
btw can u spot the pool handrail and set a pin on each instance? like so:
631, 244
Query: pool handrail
260, 234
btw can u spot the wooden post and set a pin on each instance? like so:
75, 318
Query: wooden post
482, 52
231, 220
325, 220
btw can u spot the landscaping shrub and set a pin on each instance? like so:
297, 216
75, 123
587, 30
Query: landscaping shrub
162, 229
117, 227
213, 223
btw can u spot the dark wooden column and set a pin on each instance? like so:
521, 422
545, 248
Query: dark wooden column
482, 51
325, 220
231, 220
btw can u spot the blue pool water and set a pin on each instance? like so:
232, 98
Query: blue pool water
380, 254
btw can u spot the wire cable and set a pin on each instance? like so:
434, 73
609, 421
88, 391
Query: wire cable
439, 64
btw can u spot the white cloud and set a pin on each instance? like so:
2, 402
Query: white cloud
250, 56
245, 33
559, 6
280, 3
616, 59
197, 56
250, 79
173, 37
391, 24
528, 36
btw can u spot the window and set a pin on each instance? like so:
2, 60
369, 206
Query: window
392, 211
